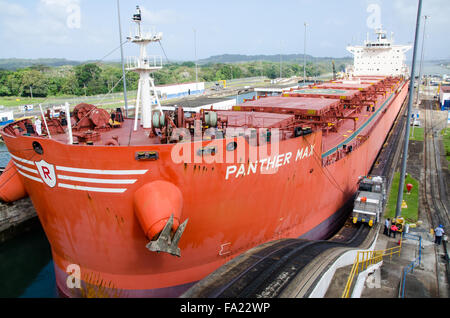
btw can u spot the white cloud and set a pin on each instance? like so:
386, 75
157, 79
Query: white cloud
48, 23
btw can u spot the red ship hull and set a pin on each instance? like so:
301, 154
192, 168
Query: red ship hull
89, 216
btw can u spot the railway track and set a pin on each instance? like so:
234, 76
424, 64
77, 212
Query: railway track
265, 272
435, 201
389, 155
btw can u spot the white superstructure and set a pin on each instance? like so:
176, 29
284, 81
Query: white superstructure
380, 57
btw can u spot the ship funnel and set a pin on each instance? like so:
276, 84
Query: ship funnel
158, 207
11, 185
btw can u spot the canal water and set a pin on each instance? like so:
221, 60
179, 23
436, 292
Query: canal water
240, 98
26, 266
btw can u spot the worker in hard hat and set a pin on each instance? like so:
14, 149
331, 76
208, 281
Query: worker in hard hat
438, 233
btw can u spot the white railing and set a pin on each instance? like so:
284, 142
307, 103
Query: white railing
149, 62
144, 33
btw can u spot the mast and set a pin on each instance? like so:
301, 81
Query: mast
144, 65
123, 63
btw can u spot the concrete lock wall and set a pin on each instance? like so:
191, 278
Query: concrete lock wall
180, 90
346, 259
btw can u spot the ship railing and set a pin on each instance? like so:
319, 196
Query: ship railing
140, 33
153, 62
342, 153
366, 259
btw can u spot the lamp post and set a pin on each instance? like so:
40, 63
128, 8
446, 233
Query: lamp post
421, 60
281, 60
411, 97
304, 57
123, 65
195, 52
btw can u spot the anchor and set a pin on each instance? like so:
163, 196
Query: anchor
164, 243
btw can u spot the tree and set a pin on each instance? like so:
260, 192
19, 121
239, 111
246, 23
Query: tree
88, 78
69, 85
4, 89
35, 82
188, 64
110, 77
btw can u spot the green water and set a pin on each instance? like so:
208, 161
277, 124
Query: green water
26, 267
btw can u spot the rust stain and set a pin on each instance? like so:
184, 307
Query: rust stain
97, 287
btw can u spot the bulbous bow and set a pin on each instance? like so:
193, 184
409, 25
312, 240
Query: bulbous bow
158, 206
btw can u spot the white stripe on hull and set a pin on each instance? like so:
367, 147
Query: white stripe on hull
30, 177
26, 168
23, 160
82, 188
21, 168
91, 180
103, 172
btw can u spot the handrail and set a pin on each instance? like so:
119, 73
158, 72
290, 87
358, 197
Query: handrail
411, 265
364, 259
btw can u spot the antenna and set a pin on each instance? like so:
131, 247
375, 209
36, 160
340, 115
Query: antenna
123, 63
144, 65
304, 56
137, 17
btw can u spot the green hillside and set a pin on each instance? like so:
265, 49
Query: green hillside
14, 64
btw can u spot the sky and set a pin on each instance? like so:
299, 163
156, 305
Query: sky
88, 30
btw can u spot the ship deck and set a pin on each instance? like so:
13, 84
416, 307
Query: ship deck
265, 118
126, 136
314, 106
345, 86
294, 105
325, 93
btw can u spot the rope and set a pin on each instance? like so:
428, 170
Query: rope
164, 52
112, 51
318, 159
107, 94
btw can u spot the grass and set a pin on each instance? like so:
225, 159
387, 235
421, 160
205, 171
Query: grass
411, 214
19, 101
446, 141
418, 134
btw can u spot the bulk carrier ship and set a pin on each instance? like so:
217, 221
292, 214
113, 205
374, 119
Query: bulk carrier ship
146, 206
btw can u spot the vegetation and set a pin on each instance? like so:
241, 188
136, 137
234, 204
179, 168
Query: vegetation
14, 64
418, 134
290, 58
41, 80
446, 141
411, 213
